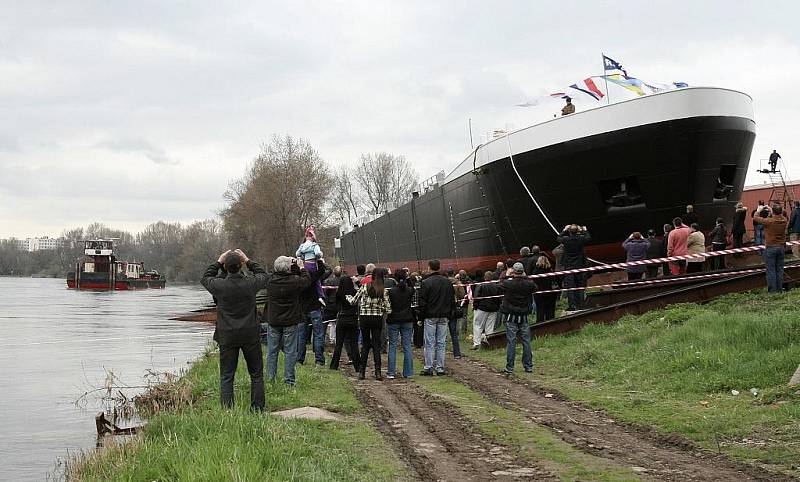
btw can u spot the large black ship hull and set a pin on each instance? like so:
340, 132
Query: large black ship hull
614, 183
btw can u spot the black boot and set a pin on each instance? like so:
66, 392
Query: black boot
361, 373
378, 375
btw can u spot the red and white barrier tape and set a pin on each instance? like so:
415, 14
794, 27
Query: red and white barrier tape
644, 262
625, 284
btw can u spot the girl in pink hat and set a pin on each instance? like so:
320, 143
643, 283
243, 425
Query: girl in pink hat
309, 251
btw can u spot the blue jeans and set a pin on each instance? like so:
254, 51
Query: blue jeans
758, 234
282, 337
302, 334
574, 297
773, 260
318, 336
404, 331
435, 340
452, 324
518, 324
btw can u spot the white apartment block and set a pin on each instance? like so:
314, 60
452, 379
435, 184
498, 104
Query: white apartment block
37, 244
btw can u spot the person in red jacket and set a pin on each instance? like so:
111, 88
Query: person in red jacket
678, 245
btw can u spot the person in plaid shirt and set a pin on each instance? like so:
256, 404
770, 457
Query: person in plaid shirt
375, 303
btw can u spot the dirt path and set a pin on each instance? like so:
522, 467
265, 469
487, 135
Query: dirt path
435, 439
592, 431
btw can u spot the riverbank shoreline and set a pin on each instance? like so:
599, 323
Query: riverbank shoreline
665, 396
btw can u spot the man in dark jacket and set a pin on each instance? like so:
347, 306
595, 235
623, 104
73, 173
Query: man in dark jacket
312, 314
500, 271
794, 229
283, 311
436, 303
237, 326
653, 252
575, 238
517, 292
485, 307
690, 217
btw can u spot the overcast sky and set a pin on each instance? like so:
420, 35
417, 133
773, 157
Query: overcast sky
131, 112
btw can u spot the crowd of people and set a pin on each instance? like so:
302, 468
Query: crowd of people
380, 311
684, 236
384, 312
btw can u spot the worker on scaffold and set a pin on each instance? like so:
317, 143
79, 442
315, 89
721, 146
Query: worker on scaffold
773, 160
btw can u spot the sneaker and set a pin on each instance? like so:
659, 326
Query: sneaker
475, 347
426, 373
529, 370
390, 377
457, 357
506, 371
440, 373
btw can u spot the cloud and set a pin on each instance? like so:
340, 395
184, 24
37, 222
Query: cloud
138, 146
147, 100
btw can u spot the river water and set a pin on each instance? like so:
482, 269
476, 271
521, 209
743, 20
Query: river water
56, 344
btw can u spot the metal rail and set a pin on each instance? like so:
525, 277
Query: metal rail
700, 293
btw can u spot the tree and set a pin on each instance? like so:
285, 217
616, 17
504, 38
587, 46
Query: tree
284, 190
347, 200
159, 245
386, 180
203, 242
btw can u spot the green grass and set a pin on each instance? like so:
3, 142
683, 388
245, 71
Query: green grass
205, 442
532, 442
675, 368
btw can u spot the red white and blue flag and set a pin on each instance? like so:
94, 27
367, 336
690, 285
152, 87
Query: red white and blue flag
588, 87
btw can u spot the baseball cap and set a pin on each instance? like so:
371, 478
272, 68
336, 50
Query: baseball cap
518, 268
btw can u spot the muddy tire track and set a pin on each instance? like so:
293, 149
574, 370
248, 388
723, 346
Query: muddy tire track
435, 439
651, 454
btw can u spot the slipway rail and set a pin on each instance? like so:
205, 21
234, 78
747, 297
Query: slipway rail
698, 293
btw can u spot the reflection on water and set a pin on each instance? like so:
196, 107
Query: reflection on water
55, 344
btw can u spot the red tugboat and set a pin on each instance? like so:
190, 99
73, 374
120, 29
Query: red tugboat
100, 270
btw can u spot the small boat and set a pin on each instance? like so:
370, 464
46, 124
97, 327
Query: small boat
99, 269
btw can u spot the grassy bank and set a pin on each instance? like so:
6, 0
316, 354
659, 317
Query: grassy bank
198, 440
675, 369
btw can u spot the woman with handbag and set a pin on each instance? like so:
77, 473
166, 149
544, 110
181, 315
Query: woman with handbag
375, 304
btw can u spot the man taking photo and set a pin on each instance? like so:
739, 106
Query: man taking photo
237, 326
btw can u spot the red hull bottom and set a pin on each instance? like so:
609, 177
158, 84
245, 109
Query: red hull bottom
118, 286
605, 253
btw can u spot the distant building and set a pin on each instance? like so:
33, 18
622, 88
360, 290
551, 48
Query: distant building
37, 244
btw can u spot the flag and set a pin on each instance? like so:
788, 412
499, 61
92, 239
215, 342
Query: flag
558, 95
634, 85
588, 87
611, 64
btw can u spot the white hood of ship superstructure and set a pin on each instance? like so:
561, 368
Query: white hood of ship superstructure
665, 106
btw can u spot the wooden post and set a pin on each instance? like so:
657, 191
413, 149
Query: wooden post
795, 380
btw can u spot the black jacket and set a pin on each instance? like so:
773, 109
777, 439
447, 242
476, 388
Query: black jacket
283, 297
690, 218
517, 299
436, 297
330, 296
400, 298
738, 221
490, 305
529, 262
656, 249
347, 315
574, 256
719, 235
237, 320
309, 298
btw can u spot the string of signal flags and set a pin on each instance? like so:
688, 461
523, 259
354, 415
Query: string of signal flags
614, 73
